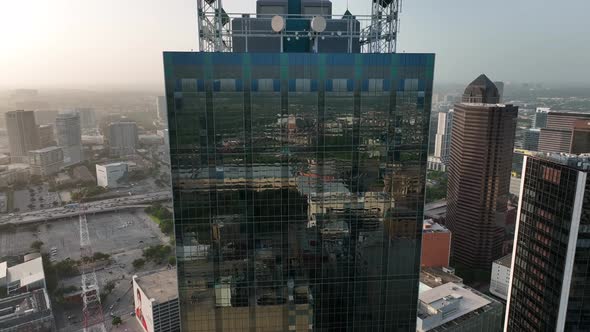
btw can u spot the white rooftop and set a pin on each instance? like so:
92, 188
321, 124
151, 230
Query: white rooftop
3, 270
446, 303
434, 227
27, 273
160, 286
113, 164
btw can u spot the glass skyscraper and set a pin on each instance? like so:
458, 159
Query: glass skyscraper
298, 169
550, 275
298, 186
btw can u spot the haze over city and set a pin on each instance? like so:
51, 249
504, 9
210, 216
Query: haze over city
111, 43
304, 165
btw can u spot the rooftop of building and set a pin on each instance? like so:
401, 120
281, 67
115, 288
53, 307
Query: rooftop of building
505, 261
481, 91
160, 286
436, 276
430, 226
47, 149
577, 161
436, 209
24, 308
113, 164
27, 272
450, 302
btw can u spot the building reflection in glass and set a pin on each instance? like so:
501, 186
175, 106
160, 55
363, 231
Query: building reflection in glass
298, 188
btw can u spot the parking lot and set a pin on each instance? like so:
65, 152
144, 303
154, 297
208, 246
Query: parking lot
110, 233
35, 198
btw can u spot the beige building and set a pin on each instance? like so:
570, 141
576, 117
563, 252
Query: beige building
46, 161
22, 134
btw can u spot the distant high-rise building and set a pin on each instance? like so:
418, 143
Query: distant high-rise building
531, 139
500, 86
46, 137
123, 138
550, 274
46, 117
22, 135
69, 137
580, 137
480, 165
87, 117
540, 119
442, 143
556, 136
161, 108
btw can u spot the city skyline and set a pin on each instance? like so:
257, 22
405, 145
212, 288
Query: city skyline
101, 43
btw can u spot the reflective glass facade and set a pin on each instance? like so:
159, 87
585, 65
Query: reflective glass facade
298, 184
550, 288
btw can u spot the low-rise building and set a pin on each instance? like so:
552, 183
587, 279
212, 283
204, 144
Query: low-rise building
436, 245
30, 311
437, 276
110, 174
3, 203
24, 277
14, 173
156, 301
500, 279
4, 159
46, 161
46, 137
454, 307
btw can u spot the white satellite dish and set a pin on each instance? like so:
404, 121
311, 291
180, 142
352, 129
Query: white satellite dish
318, 24
278, 23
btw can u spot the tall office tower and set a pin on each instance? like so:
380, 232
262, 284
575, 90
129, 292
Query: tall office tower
45, 117
479, 174
161, 109
500, 86
298, 176
549, 272
580, 137
22, 135
531, 139
443, 136
46, 137
122, 138
69, 137
87, 117
556, 136
540, 120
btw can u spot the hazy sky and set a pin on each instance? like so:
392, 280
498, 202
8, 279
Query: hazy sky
93, 43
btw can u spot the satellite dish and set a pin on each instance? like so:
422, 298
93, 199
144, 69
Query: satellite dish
278, 23
318, 24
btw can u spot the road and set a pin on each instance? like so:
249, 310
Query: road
106, 205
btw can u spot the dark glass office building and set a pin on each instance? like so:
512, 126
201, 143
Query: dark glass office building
550, 283
298, 169
298, 186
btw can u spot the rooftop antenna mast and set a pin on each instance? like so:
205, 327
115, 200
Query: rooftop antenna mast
214, 26
381, 35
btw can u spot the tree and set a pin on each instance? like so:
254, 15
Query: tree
117, 321
37, 245
31, 206
138, 263
172, 260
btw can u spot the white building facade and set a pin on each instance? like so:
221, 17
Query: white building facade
108, 176
500, 279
